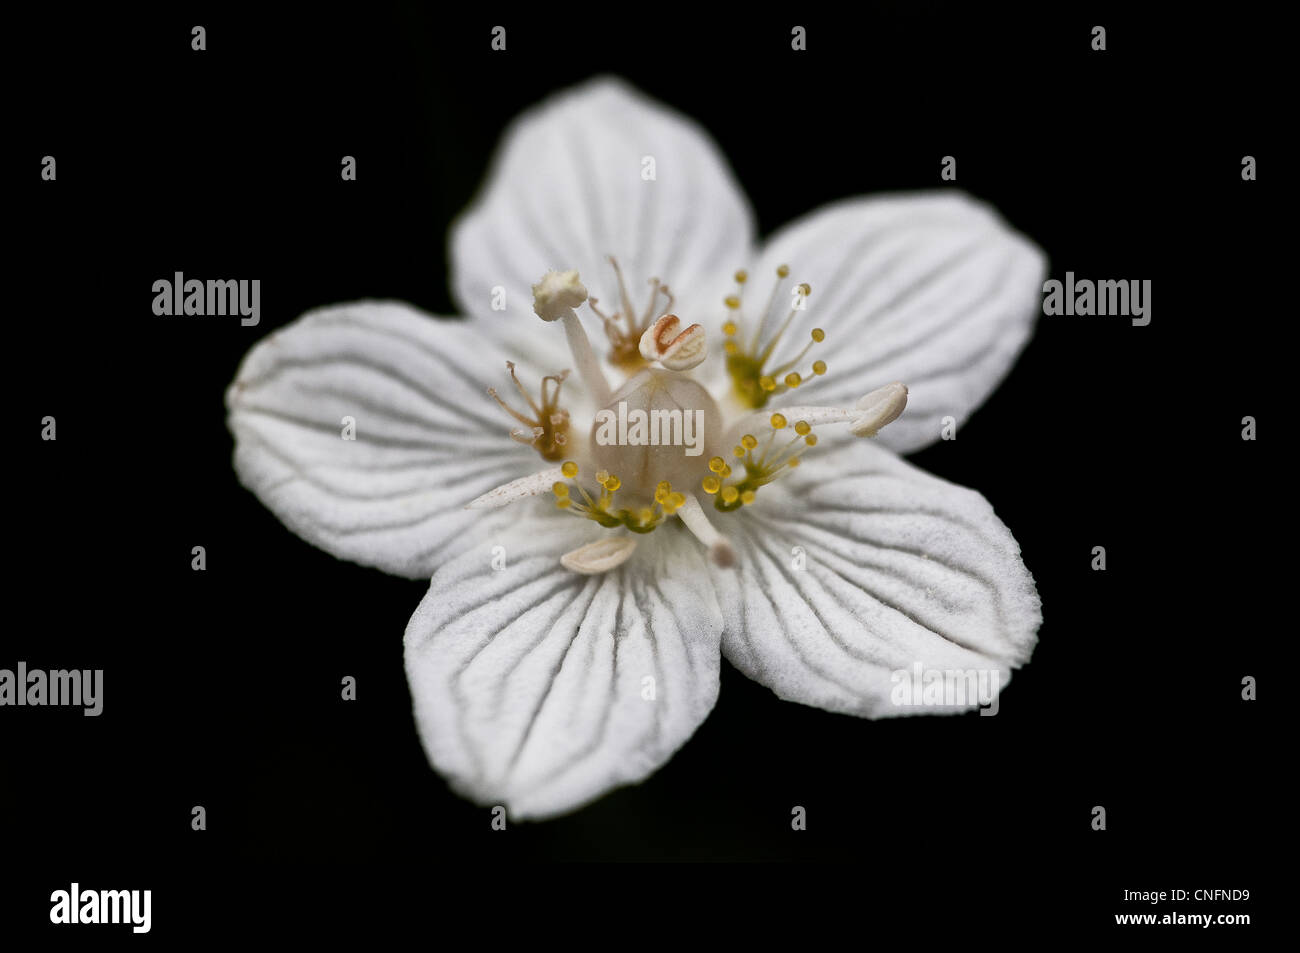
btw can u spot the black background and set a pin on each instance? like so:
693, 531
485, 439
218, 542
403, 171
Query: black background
222, 687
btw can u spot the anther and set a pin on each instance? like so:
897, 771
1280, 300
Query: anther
672, 346
882, 406
554, 298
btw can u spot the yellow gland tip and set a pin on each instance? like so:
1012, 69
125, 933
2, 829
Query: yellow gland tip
801, 428
711, 485
792, 462
741, 277
717, 464
739, 451
811, 440
748, 497
749, 362
729, 494
732, 302
603, 510
777, 421
749, 441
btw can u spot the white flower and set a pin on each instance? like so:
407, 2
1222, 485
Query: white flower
553, 657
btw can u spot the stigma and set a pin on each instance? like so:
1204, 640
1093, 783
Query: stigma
749, 347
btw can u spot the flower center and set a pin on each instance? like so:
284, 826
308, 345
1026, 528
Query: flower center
649, 436
659, 426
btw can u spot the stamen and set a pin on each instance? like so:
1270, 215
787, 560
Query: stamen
674, 348
554, 298
871, 412
585, 359
720, 549
532, 485
878, 408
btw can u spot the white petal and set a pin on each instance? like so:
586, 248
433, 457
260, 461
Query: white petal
932, 290
428, 437
566, 191
900, 567
530, 682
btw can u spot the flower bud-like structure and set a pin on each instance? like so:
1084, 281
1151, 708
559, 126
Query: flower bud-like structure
665, 341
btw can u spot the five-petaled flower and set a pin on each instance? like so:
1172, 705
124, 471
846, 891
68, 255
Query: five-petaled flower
594, 653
